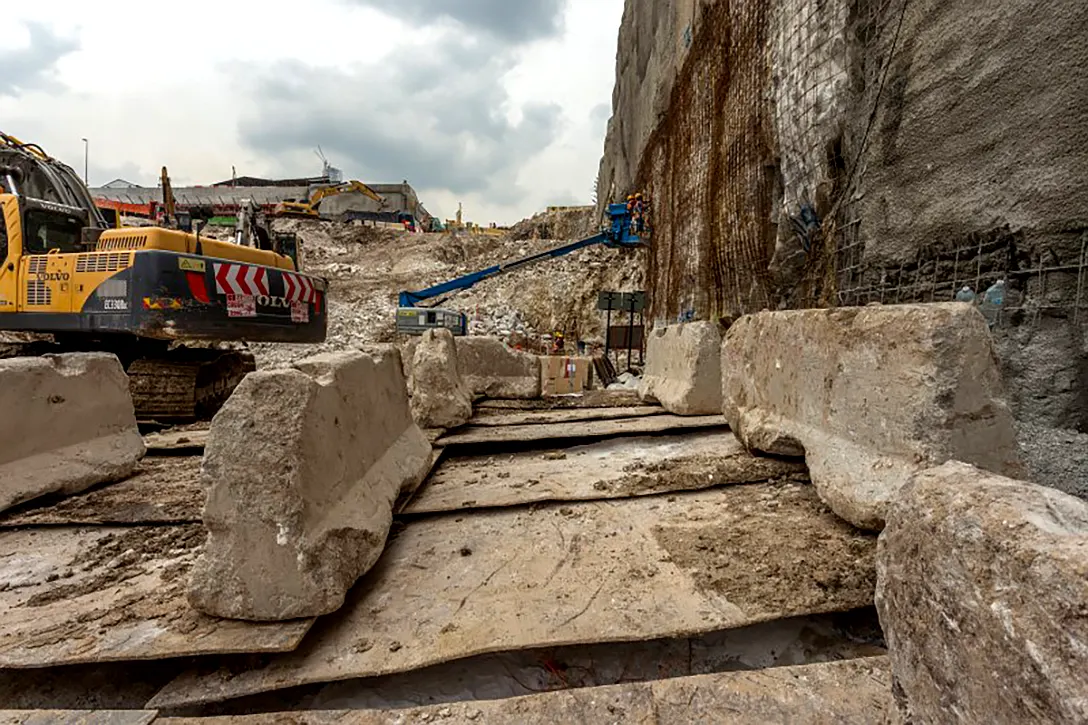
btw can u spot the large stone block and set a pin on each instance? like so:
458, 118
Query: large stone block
68, 425
869, 396
440, 397
982, 589
683, 368
302, 468
493, 370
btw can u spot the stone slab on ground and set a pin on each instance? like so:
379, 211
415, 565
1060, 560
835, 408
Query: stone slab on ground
77, 717
572, 415
585, 429
164, 490
983, 594
70, 425
493, 370
869, 396
617, 468
614, 571
790, 642
851, 691
174, 442
302, 470
585, 399
684, 368
90, 595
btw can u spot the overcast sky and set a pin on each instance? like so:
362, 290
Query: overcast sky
501, 104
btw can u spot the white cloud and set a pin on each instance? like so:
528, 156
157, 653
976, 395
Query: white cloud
179, 88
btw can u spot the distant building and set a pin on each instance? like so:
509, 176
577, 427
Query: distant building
121, 184
257, 182
222, 198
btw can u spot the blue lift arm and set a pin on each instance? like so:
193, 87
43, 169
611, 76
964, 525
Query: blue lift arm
621, 233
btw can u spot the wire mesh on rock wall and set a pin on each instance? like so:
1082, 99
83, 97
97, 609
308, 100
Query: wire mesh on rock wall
710, 173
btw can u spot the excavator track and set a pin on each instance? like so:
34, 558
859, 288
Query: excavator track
186, 387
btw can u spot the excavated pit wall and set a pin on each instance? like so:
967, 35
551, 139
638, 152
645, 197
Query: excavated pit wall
803, 153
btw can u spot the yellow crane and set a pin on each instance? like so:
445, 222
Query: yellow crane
309, 209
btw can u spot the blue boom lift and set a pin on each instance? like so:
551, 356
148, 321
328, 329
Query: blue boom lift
414, 320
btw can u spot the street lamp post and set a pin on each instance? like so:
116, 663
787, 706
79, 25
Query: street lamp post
86, 160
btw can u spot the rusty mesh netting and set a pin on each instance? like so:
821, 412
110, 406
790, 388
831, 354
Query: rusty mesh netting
709, 170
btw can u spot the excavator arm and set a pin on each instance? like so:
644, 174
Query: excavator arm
345, 188
40, 176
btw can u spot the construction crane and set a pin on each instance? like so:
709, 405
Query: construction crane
309, 209
622, 232
138, 292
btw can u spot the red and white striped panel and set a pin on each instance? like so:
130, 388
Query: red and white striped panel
241, 280
299, 288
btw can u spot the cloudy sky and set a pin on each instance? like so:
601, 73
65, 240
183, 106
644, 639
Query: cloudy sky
500, 104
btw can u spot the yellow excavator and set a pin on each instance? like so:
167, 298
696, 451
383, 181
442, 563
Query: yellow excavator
308, 209
141, 292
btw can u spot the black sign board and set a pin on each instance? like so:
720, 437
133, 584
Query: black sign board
621, 301
618, 337
608, 301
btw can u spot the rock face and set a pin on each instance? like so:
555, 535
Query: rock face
867, 132
440, 398
69, 425
493, 370
301, 469
684, 368
869, 396
982, 585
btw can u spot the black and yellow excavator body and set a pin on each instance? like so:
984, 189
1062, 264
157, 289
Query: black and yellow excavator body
161, 299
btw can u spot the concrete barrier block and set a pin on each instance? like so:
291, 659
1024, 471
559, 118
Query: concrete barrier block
981, 588
683, 368
407, 358
68, 425
440, 397
870, 396
493, 370
301, 469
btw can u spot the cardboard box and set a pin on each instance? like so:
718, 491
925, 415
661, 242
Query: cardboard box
565, 375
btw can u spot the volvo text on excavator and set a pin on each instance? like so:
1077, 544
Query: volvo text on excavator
140, 292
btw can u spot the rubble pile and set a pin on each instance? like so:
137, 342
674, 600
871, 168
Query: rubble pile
368, 267
558, 223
